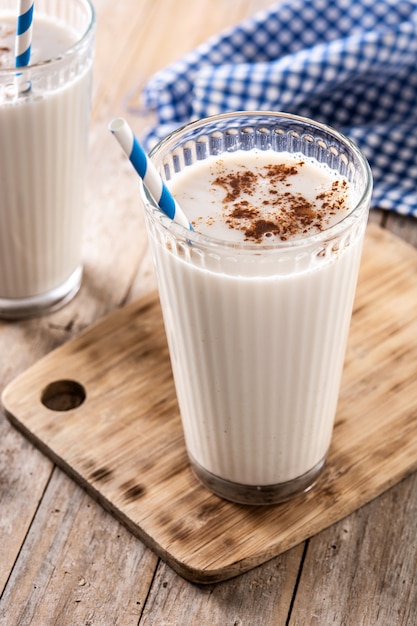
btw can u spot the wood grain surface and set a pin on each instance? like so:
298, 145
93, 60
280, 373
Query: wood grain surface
123, 440
65, 561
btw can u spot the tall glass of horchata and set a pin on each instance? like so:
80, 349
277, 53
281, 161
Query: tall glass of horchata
44, 121
257, 299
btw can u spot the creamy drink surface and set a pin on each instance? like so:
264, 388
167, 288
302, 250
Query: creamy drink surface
43, 139
261, 196
257, 342
50, 39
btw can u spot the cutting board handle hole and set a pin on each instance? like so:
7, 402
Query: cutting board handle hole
63, 395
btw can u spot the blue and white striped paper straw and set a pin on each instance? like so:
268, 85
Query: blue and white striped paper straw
147, 171
24, 33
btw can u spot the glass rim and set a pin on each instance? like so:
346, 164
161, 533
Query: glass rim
194, 237
69, 52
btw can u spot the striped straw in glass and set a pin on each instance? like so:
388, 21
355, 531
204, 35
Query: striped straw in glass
147, 171
24, 33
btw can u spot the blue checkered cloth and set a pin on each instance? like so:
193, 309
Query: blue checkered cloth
351, 64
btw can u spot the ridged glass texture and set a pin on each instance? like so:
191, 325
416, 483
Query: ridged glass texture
43, 140
257, 333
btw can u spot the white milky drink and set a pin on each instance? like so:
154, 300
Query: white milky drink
44, 121
257, 300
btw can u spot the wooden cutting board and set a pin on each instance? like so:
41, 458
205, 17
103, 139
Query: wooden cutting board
103, 407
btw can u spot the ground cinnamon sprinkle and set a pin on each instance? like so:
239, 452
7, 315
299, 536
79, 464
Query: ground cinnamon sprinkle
281, 171
234, 183
283, 213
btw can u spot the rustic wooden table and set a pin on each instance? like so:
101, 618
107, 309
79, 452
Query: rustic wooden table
66, 561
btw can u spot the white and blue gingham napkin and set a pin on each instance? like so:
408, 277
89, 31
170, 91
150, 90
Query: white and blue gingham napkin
348, 63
